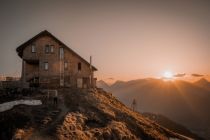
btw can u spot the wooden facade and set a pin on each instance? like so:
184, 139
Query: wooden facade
47, 62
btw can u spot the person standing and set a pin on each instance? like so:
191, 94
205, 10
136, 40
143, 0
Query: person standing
134, 105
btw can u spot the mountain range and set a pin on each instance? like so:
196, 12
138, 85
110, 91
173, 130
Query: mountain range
181, 101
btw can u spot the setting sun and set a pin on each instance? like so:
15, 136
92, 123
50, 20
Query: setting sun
168, 75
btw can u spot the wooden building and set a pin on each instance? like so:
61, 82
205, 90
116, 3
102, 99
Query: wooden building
47, 62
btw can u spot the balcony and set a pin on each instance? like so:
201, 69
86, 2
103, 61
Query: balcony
32, 58
31, 61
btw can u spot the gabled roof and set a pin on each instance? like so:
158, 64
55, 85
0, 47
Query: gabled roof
46, 33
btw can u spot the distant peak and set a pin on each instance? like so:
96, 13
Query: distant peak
203, 80
118, 82
103, 82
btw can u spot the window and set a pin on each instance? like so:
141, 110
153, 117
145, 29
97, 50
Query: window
65, 65
47, 48
79, 66
51, 48
33, 48
46, 66
61, 53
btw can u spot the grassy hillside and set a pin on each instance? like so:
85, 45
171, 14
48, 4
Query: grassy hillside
82, 115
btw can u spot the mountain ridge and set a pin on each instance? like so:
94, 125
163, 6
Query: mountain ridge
203, 83
181, 101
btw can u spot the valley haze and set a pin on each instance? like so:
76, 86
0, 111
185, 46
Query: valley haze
183, 102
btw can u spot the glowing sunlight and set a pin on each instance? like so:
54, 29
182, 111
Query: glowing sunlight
168, 75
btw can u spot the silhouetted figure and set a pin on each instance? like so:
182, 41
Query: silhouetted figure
134, 105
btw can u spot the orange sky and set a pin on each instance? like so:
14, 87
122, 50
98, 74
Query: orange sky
127, 39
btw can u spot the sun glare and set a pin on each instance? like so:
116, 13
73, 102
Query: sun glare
168, 75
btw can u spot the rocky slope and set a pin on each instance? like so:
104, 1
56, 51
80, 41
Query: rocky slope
169, 124
183, 102
84, 115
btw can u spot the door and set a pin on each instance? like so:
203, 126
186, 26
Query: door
79, 82
61, 82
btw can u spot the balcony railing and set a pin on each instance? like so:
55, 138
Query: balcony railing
32, 58
32, 76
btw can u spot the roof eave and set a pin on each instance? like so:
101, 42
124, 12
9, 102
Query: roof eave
20, 49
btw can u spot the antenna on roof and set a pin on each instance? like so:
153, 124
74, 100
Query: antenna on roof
91, 73
91, 63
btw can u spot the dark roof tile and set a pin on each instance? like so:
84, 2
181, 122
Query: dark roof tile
43, 33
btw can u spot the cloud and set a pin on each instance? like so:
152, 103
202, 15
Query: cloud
180, 75
197, 75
